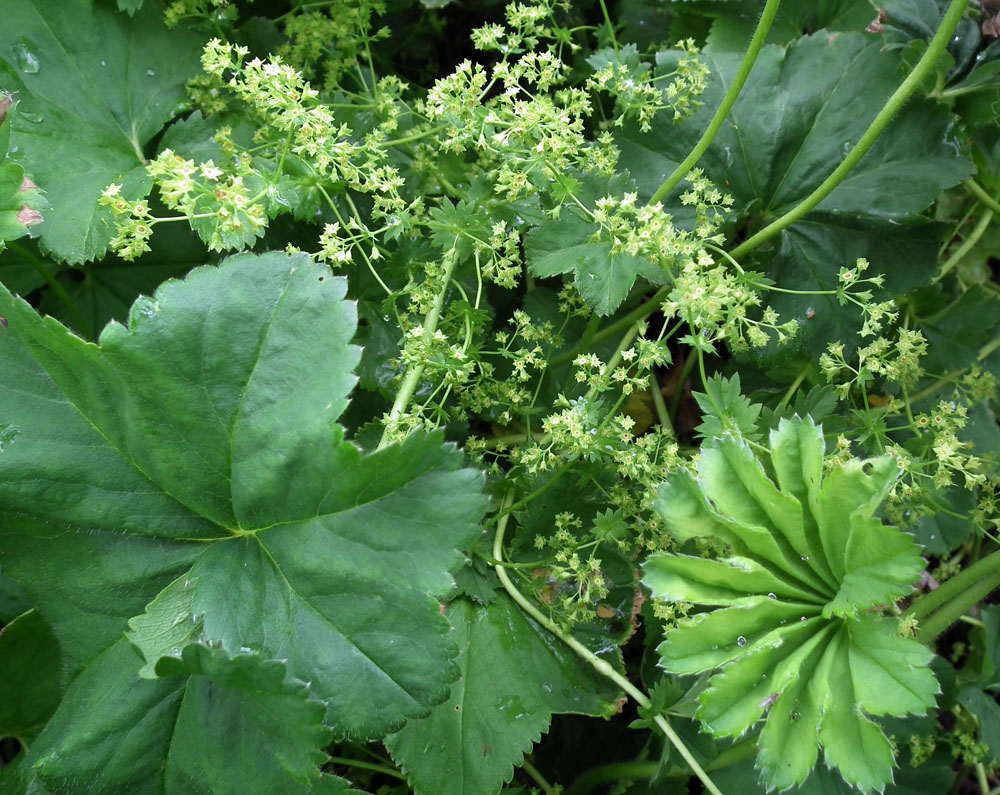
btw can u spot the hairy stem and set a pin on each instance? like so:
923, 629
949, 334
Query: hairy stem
753, 50
924, 66
603, 667
939, 608
412, 377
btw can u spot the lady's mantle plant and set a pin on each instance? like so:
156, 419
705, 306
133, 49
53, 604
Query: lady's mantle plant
598, 249
800, 640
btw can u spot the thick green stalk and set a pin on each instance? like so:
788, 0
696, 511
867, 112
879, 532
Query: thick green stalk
412, 377
753, 50
923, 68
982, 195
603, 667
940, 608
952, 611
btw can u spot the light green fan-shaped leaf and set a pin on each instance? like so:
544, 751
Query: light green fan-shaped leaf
186, 480
798, 641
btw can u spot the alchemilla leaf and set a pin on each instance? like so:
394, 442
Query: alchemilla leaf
798, 641
805, 105
483, 731
95, 87
185, 480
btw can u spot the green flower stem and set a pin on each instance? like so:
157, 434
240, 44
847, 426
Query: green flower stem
675, 403
409, 139
537, 777
658, 403
55, 285
636, 771
640, 312
982, 195
943, 606
412, 377
348, 762
616, 357
967, 245
603, 667
794, 387
924, 66
504, 512
753, 50
611, 28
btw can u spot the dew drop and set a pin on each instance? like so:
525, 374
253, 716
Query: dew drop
150, 73
802, 618
7, 435
715, 648
245, 650
175, 650
25, 57
846, 148
547, 686
804, 558
794, 716
104, 63
771, 596
741, 641
34, 118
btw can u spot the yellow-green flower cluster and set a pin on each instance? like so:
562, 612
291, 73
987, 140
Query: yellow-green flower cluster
289, 106
639, 95
133, 223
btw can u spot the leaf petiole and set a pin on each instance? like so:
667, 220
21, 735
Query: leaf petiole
603, 667
899, 97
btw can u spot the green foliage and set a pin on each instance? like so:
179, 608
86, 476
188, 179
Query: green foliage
128, 81
384, 407
797, 638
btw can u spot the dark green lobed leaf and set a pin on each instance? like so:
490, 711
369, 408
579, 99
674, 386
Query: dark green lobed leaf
195, 454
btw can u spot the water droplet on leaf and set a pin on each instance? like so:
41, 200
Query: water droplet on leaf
34, 118
771, 596
25, 57
150, 73
741, 641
